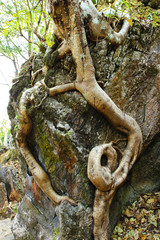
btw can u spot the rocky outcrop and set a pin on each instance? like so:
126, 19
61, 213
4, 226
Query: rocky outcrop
5, 229
66, 128
11, 178
37, 218
12, 184
3, 195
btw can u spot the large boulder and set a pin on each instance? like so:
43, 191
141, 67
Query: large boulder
12, 183
11, 176
66, 128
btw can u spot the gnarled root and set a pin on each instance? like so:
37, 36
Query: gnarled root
100, 173
107, 180
70, 21
24, 128
61, 88
102, 202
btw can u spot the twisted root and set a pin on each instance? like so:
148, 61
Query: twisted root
24, 128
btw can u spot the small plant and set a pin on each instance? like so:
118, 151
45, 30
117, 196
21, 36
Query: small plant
56, 231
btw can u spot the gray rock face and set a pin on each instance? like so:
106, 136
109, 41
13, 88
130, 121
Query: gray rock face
5, 229
3, 195
70, 217
66, 128
11, 179
32, 222
37, 218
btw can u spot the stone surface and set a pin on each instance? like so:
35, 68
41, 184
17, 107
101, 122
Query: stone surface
32, 222
66, 128
3, 195
70, 217
37, 218
5, 230
11, 177
12, 184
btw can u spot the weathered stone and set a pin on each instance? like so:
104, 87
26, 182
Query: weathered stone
5, 229
3, 174
72, 221
66, 128
3, 195
35, 217
11, 176
15, 187
4, 157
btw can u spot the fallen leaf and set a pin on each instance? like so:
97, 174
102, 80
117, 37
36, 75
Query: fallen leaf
143, 220
128, 213
130, 22
156, 236
133, 220
153, 220
150, 200
143, 237
136, 235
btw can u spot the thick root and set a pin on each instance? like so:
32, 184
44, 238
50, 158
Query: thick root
101, 215
61, 88
24, 128
100, 173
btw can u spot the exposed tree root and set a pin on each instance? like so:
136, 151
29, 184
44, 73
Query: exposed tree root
62, 88
34, 75
101, 207
106, 178
69, 17
24, 128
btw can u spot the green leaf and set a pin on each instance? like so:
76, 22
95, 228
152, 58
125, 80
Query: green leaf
130, 22
94, 1
127, 5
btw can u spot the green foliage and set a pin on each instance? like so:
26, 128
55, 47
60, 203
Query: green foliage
24, 26
144, 14
94, 1
137, 10
56, 232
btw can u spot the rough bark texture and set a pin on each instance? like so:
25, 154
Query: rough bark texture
65, 128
